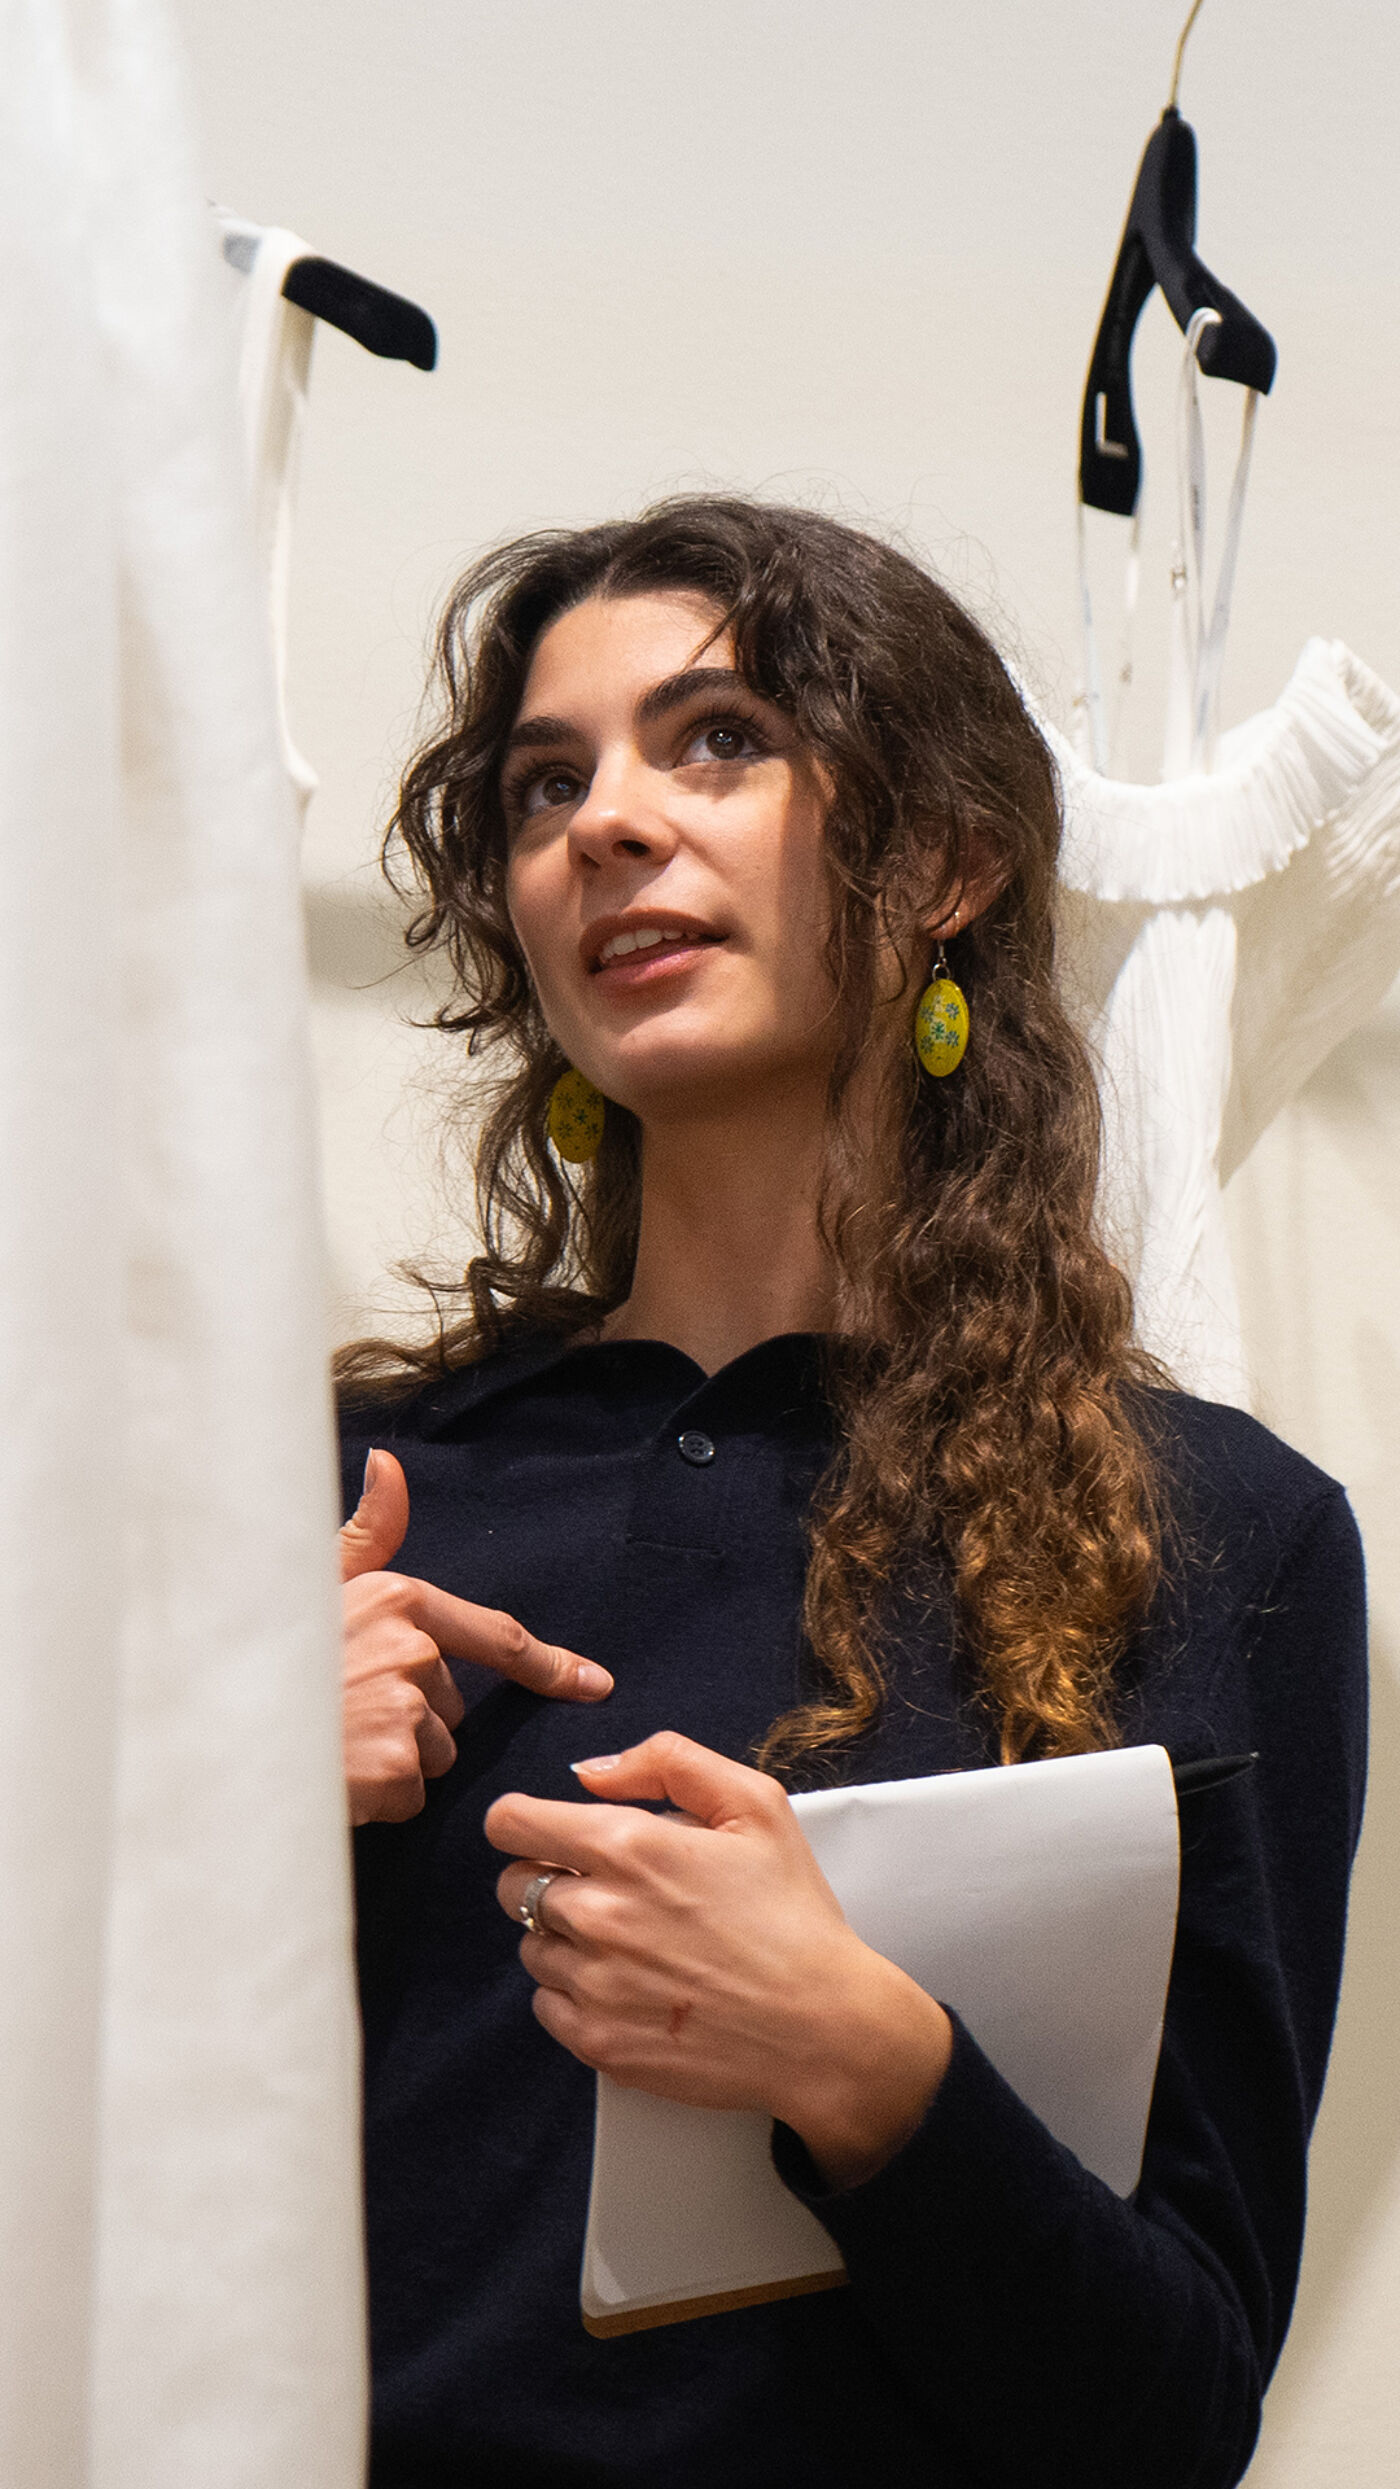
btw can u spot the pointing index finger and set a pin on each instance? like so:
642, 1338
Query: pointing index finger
490, 1638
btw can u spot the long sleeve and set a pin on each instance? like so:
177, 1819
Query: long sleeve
1049, 2329
1011, 2323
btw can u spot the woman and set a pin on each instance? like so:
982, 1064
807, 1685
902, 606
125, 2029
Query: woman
807, 1411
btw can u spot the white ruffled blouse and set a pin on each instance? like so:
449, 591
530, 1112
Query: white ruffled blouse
1219, 935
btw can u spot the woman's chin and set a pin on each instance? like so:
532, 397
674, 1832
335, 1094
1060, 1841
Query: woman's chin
703, 1084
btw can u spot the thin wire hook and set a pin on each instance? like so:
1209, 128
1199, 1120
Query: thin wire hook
1180, 49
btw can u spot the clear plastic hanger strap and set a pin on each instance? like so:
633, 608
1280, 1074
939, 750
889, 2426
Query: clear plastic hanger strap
1102, 723
1198, 645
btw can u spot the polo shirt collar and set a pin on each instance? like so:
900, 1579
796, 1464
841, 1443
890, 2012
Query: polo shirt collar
788, 1366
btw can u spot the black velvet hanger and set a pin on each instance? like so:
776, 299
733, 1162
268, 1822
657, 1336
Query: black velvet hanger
1158, 249
385, 323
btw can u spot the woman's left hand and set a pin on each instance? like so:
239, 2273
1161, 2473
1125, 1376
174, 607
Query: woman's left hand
704, 1956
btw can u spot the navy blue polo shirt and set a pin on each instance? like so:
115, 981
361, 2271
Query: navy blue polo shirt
1009, 2320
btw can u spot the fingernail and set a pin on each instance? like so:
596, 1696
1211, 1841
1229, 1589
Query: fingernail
370, 1459
592, 1679
596, 1763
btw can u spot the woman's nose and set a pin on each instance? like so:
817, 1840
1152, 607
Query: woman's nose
621, 816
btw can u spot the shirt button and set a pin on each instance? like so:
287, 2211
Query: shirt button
695, 1448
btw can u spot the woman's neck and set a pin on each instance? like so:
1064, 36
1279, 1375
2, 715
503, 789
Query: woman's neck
728, 1252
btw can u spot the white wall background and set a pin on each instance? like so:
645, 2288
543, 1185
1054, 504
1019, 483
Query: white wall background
858, 254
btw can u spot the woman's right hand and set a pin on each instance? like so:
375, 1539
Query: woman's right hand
401, 1704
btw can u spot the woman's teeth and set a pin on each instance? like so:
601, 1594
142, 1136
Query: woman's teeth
644, 939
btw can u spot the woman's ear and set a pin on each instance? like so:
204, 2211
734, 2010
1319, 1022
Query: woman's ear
983, 879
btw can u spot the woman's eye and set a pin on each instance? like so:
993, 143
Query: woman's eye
546, 790
722, 739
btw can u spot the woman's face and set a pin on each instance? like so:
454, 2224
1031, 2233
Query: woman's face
667, 877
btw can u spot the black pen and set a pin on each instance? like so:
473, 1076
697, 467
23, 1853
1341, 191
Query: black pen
1207, 1771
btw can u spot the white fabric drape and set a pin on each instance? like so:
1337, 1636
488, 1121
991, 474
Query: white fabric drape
178, 2191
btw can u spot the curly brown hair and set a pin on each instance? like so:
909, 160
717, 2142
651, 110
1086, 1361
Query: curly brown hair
984, 1376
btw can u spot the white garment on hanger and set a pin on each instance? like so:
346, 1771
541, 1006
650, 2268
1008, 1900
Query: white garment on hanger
1219, 935
275, 338
179, 2179
1223, 931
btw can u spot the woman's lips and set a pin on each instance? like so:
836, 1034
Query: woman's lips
658, 960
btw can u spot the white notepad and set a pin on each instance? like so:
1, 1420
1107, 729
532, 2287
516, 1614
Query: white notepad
1039, 1902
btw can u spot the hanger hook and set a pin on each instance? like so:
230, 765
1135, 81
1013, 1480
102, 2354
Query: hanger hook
1180, 49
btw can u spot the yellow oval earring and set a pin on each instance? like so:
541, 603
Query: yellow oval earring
576, 1115
940, 1023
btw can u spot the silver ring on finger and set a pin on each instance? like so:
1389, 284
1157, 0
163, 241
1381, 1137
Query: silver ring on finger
527, 1909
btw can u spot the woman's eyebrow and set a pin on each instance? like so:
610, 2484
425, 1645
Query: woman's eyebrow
678, 688
534, 731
